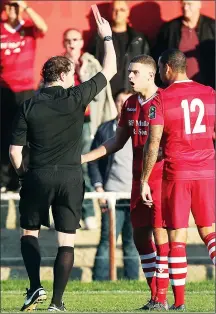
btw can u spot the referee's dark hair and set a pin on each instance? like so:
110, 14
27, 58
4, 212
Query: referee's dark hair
53, 67
176, 60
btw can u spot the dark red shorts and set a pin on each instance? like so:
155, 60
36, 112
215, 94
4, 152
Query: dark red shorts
142, 215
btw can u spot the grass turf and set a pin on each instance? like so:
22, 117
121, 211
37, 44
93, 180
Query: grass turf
115, 297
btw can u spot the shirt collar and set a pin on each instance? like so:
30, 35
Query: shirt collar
183, 81
143, 102
51, 90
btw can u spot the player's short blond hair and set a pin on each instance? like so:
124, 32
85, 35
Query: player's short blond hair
145, 59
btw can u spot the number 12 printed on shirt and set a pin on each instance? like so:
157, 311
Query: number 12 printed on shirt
198, 127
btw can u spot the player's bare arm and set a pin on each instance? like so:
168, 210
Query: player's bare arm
150, 155
15, 153
111, 146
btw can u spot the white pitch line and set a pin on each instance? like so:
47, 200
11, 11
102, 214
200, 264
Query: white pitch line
209, 292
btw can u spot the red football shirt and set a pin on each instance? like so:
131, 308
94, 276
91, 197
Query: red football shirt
135, 118
187, 110
17, 56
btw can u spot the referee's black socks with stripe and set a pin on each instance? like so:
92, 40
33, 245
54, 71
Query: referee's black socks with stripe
31, 256
62, 269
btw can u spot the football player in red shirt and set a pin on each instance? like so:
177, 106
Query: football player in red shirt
134, 123
185, 115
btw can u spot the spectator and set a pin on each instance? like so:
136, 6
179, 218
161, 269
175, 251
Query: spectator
18, 43
127, 42
102, 107
193, 34
114, 174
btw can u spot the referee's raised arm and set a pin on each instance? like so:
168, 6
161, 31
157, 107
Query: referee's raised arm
89, 89
109, 62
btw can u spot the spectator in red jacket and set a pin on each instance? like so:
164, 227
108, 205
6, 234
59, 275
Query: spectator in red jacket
18, 44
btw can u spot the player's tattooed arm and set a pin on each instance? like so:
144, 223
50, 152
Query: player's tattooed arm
150, 151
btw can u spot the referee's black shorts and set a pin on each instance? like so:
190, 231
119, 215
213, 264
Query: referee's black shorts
61, 187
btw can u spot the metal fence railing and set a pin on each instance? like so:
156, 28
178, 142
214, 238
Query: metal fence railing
111, 198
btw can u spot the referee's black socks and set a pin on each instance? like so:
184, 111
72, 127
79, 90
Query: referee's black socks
31, 256
62, 269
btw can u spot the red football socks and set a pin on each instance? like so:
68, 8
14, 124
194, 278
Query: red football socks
210, 243
148, 261
162, 274
178, 270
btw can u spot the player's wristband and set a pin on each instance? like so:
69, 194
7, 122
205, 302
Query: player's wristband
98, 185
107, 38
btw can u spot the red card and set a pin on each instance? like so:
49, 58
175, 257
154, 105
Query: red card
96, 12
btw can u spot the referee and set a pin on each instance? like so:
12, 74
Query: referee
52, 123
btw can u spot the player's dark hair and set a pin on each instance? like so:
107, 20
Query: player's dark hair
145, 59
53, 67
176, 59
122, 91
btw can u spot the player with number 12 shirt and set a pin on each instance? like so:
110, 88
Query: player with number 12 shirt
187, 111
185, 117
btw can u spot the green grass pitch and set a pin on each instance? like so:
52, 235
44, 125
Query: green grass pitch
107, 297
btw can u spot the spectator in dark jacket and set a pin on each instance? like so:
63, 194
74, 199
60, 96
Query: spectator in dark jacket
128, 43
193, 34
114, 174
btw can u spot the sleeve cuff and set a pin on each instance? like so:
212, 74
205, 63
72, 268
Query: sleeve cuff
100, 80
98, 184
18, 143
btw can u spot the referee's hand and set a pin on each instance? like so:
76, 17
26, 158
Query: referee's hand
103, 27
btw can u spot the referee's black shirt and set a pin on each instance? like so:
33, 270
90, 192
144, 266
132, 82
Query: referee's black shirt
52, 123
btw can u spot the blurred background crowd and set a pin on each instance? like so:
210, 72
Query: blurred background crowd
33, 31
